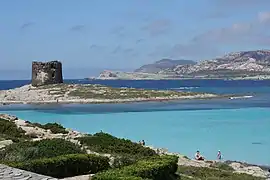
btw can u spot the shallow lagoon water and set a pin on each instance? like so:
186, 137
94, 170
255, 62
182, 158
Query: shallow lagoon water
240, 128
240, 133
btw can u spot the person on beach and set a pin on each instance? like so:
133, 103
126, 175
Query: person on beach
219, 156
198, 156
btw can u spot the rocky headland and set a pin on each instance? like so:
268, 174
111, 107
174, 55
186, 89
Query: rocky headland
236, 65
38, 132
79, 93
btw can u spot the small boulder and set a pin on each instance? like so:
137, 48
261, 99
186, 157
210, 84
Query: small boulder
5, 143
8, 117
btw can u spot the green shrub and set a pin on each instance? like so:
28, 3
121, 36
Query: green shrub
54, 127
66, 165
158, 168
106, 143
9, 130
47, 148
205, 173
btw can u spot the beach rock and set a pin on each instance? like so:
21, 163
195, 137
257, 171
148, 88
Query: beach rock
8, 117
9, 173
20, 122
77, 142
183, 161
252, 170
83, 177
5, 143
35, 132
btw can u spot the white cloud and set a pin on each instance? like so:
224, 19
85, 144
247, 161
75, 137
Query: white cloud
240, 34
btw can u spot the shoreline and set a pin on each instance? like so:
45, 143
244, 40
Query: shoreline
45, 134
96, 94
116, 101
260, 77
238, 166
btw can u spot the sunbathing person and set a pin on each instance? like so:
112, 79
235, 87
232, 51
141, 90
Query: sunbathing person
198, 156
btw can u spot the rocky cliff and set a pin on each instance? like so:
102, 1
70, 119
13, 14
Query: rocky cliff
163, 65
245, 64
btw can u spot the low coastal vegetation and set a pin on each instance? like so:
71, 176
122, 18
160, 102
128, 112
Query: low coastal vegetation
93, 91
106, 143
125, 151
106, 156
9, 130
47, 148
157, 168
53, 127
66, 165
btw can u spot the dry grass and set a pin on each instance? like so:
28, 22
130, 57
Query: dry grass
90, 91
104, 92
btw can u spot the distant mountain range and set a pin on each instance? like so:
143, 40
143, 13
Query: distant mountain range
245, 64
163, 65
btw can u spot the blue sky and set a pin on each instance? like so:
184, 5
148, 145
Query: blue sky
91, 35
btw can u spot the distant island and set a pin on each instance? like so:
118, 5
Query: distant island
47, 87
91, 94
234, 66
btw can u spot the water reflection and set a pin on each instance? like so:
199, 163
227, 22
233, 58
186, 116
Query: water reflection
144, 107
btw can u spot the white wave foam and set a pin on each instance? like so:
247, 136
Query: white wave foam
241, 97
182, 88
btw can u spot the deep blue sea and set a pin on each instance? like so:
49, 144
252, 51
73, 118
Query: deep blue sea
240, 128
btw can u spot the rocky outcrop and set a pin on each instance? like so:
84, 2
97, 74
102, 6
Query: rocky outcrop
251, 170
13, 173
5, 143
108, 74
129, 75
238, 167
8, 117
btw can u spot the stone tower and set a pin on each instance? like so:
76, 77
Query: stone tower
46, 73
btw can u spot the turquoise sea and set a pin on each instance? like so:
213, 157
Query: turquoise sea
240, 128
